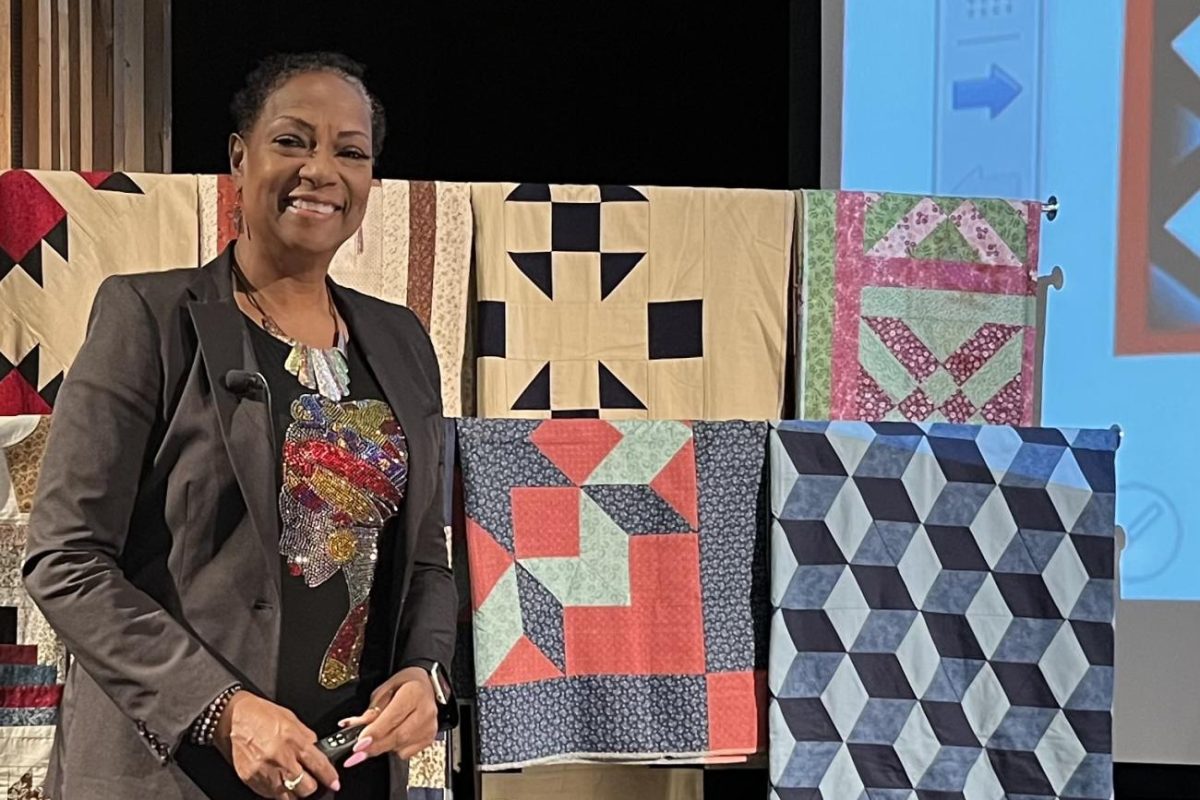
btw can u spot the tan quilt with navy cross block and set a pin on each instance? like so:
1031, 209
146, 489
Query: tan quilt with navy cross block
624, 302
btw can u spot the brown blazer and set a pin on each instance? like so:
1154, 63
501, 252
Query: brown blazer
154, 539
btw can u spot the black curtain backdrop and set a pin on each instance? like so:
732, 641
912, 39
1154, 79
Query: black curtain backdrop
649, 92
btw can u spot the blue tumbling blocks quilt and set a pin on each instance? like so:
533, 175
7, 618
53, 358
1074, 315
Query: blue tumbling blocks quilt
943, 611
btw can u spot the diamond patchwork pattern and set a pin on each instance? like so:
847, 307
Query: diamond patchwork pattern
943, 605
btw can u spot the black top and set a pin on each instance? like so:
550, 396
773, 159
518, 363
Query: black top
314, 618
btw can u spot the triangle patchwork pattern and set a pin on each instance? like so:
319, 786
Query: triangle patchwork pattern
537, 267
614, 393
944, 229
31, 216
530, 193
611, 193
945, 243
920, 367
18, 386
525, 663
676, 483
576, 447
535, 396
489, 561
614, 268
47, 266
115, 182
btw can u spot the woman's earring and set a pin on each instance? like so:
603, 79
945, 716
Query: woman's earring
242, 227
237, 212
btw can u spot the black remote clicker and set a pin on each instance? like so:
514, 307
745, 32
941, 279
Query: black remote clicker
338, 745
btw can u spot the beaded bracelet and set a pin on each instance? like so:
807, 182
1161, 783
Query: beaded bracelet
205, 725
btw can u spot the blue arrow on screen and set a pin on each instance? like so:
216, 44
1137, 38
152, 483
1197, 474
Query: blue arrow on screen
995, 92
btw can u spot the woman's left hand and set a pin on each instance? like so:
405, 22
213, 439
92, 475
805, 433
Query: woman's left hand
402, 719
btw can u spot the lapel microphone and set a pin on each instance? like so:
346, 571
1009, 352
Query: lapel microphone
244, 383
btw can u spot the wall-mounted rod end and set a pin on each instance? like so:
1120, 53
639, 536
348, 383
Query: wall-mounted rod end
1052, 281
1056, 277
1050, 207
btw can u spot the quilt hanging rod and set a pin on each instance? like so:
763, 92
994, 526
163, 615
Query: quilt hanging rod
1050, 207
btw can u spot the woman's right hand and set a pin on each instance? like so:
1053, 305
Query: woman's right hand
267, 745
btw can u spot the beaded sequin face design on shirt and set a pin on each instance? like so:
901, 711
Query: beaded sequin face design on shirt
345, 468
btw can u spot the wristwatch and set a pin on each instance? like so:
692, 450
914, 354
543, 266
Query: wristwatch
442, 692
441, 687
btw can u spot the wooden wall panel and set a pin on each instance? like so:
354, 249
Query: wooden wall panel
158, 86
36, 93
81, 24
7, 92
89, 87
61, 45
103, 98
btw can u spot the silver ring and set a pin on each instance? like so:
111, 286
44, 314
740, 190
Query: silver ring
292, 784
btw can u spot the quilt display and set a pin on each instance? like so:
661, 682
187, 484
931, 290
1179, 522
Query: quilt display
624, 302
29, 698
599, 782
414, 248
62, 234
429, 772
32, 629
944, 603
29, 692
22, 445
917, 308
33, 658
26, 753
612, 576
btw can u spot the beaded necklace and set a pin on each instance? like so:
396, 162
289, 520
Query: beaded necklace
324, 369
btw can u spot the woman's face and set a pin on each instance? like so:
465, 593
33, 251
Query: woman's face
304, 169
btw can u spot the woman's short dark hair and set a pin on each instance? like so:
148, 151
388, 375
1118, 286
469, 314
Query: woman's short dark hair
275, 70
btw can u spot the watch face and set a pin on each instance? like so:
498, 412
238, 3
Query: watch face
441, 691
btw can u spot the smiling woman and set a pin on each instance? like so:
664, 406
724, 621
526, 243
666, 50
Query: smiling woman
258, 534
305, 145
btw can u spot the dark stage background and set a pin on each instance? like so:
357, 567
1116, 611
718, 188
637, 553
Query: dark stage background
651, 92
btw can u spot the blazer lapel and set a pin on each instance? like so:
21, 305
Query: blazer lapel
387, 354
245, 420
390, 357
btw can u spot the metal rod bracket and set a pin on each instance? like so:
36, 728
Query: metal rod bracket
1050, 207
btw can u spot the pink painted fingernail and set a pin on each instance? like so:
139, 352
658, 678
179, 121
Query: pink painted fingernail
363, 744
355, 760
336, 786
343, 723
